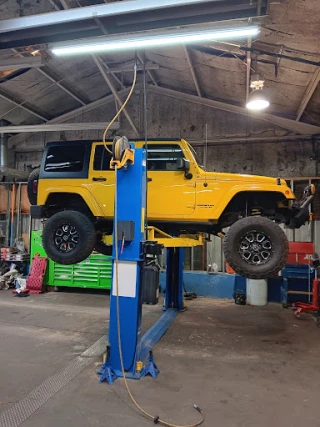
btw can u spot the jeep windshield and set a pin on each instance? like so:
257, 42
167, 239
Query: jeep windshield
195, 155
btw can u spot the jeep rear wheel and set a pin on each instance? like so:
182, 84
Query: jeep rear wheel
69, 237
256, 247
32, 186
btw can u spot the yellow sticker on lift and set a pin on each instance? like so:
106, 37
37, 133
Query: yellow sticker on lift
142, 219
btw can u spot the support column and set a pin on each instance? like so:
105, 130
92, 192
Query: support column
174, 279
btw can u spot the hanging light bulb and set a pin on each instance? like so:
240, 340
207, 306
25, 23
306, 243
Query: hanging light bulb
257, 100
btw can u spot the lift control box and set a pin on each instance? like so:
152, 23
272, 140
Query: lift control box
125, 229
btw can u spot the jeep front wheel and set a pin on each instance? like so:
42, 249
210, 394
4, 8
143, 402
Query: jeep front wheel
256, 247
69, 237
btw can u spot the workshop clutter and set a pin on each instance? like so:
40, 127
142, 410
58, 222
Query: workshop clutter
14, 220
13, 264
8, 275
296, 284
16, 253
33, 284
301, 253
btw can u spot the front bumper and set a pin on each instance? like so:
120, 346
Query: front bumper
37, 211
301, 209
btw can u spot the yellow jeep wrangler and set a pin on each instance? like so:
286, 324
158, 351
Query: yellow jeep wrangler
74, 191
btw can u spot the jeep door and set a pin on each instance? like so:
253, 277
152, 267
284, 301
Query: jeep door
101, 178
170, 194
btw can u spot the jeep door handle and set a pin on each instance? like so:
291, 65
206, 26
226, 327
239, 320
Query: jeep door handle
99, 178
149, 179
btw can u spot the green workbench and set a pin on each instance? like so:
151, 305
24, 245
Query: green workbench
94, 272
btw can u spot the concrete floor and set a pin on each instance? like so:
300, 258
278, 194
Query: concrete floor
243, 366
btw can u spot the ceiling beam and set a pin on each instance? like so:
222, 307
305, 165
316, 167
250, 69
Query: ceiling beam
66, 7
259, 5
52, 2
99, 64
192, 71
312, 86
61, 86
89, 107
18, 63
249, 139
108, 70
45, 73
64, 4
140, 67
21, 104
149, 72
292, 125
95, 11
18, 139
56, 127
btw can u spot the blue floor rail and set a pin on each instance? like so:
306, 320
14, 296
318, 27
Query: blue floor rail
153, 335
144, 349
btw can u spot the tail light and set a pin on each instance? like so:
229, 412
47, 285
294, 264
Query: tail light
35, 186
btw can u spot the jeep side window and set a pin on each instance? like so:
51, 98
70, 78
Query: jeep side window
102, 157
163, 157
65, 158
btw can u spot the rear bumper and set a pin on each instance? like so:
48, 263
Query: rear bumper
37, 211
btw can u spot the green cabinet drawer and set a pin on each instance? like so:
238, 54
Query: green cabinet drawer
95, 272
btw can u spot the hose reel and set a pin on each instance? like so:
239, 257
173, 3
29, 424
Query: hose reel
122, 154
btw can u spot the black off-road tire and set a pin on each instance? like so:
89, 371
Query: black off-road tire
34, 176
256, 224
85, 231
101, 247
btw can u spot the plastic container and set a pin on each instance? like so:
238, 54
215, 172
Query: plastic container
257, 292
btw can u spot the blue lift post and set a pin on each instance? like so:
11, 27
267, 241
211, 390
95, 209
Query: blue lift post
174, 279
137, 351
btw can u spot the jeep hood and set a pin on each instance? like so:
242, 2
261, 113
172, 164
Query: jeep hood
249, 178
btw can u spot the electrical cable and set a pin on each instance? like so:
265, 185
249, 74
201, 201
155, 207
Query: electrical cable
145, 125
155, 419
120, 110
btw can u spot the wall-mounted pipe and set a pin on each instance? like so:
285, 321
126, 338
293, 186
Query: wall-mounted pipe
19, 203
13, 205
4, 144
7, 240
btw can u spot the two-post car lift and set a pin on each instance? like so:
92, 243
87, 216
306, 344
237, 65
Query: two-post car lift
136, 271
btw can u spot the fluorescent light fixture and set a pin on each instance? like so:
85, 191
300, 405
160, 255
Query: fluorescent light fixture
257, 100
129, 42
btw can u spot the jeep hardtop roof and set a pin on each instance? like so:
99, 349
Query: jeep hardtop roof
89, 142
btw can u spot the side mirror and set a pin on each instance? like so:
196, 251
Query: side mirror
180, 163
184, 164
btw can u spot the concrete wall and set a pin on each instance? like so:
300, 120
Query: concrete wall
172, 118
